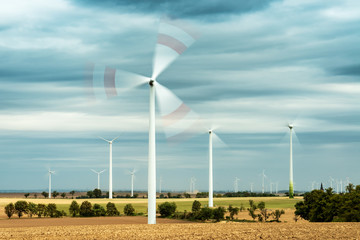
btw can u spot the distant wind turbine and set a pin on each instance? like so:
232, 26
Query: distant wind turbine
110, 165
236, 184
251, 187
132, 173
50, 172
263, 181
291, 180
98, 175
331, 180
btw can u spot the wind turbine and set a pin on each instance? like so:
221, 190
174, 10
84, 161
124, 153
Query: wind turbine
110, 165
236, 185
192, 184
50, 172
98, 173
263, 181
251, 187
291, 180
132, 173
174, 37
331, 180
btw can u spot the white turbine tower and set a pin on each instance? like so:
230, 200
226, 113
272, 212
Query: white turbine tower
236, 184
192, 184
263, 181
251, 187
211, 191
110, 165
50, 172
132, 173
98, 176
291, 180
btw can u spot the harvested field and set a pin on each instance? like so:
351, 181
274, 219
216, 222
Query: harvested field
190, 231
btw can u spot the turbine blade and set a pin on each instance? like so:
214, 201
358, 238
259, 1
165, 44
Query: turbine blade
174, 37
179, 121
94, 171
102, 171
105, 82
218, 142
115, 138
104, 139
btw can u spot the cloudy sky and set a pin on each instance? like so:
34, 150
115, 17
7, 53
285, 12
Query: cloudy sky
255, 68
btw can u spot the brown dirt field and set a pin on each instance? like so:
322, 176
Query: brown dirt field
190, 231
45, 222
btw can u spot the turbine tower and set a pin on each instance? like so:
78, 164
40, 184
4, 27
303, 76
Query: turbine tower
132, 173
236, 184
50, 172
263, 181
211, 204
251, 187
291, 180
110, 165
98, 173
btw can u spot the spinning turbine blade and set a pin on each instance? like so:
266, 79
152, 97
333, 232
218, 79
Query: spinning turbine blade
115, 138
178, 120
218, 142
174, 38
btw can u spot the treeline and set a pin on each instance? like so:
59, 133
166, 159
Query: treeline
326, 206
199, 213
31, 209
85, 209
247, 194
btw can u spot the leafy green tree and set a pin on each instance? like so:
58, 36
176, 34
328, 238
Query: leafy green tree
41, 210
32, 209
72, 194
167, 209
63, 195
86, 209
98, 210
205, 213
97, 193
21, 208
196, 206
252, 209
111, 209
55, 194
218, 213
264, 214
233, 211
74, 208
187, 195
26, 195
10, 210
90, 194
129, 210
277, 214
51, 210
135, 195
169, 194
45, 194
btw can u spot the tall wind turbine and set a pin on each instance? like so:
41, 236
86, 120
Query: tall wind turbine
236, 184
263, 181
50, 172
174, 37
291, 180
331, 180
110, 165
132, 173
98, 175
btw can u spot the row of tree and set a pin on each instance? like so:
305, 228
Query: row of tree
31, 209
54, 194
326, 206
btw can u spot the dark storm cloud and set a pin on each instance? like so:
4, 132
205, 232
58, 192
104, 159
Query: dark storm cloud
209, 10
351, 70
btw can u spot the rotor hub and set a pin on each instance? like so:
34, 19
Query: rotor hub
151, 82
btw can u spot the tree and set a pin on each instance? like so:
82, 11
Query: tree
187, 195
98, 210
72, 193
97, 193
63, 195
41, 210
32, 209
90, 194
321, 187
45, 194
167, 209
74, 208
135, 195
51, 210
10, 210
26, 195
205, 213
55, 194
86, 209
277, 214
196, 206
252, 209
218, 213
264, 214
169, 194
21, 207
233, 211
129, 210
111, 209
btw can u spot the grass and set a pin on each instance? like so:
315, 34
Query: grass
183, 204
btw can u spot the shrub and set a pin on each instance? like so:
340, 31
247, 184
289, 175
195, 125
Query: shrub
86, 209
111, 209
98, 210
205, 214
233, 211
74, 208
10, 210
97, 193
32, 209
218, 213
167, 209
51, 210
277, 214
41, 210
129, 210
196, 206
21, 207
